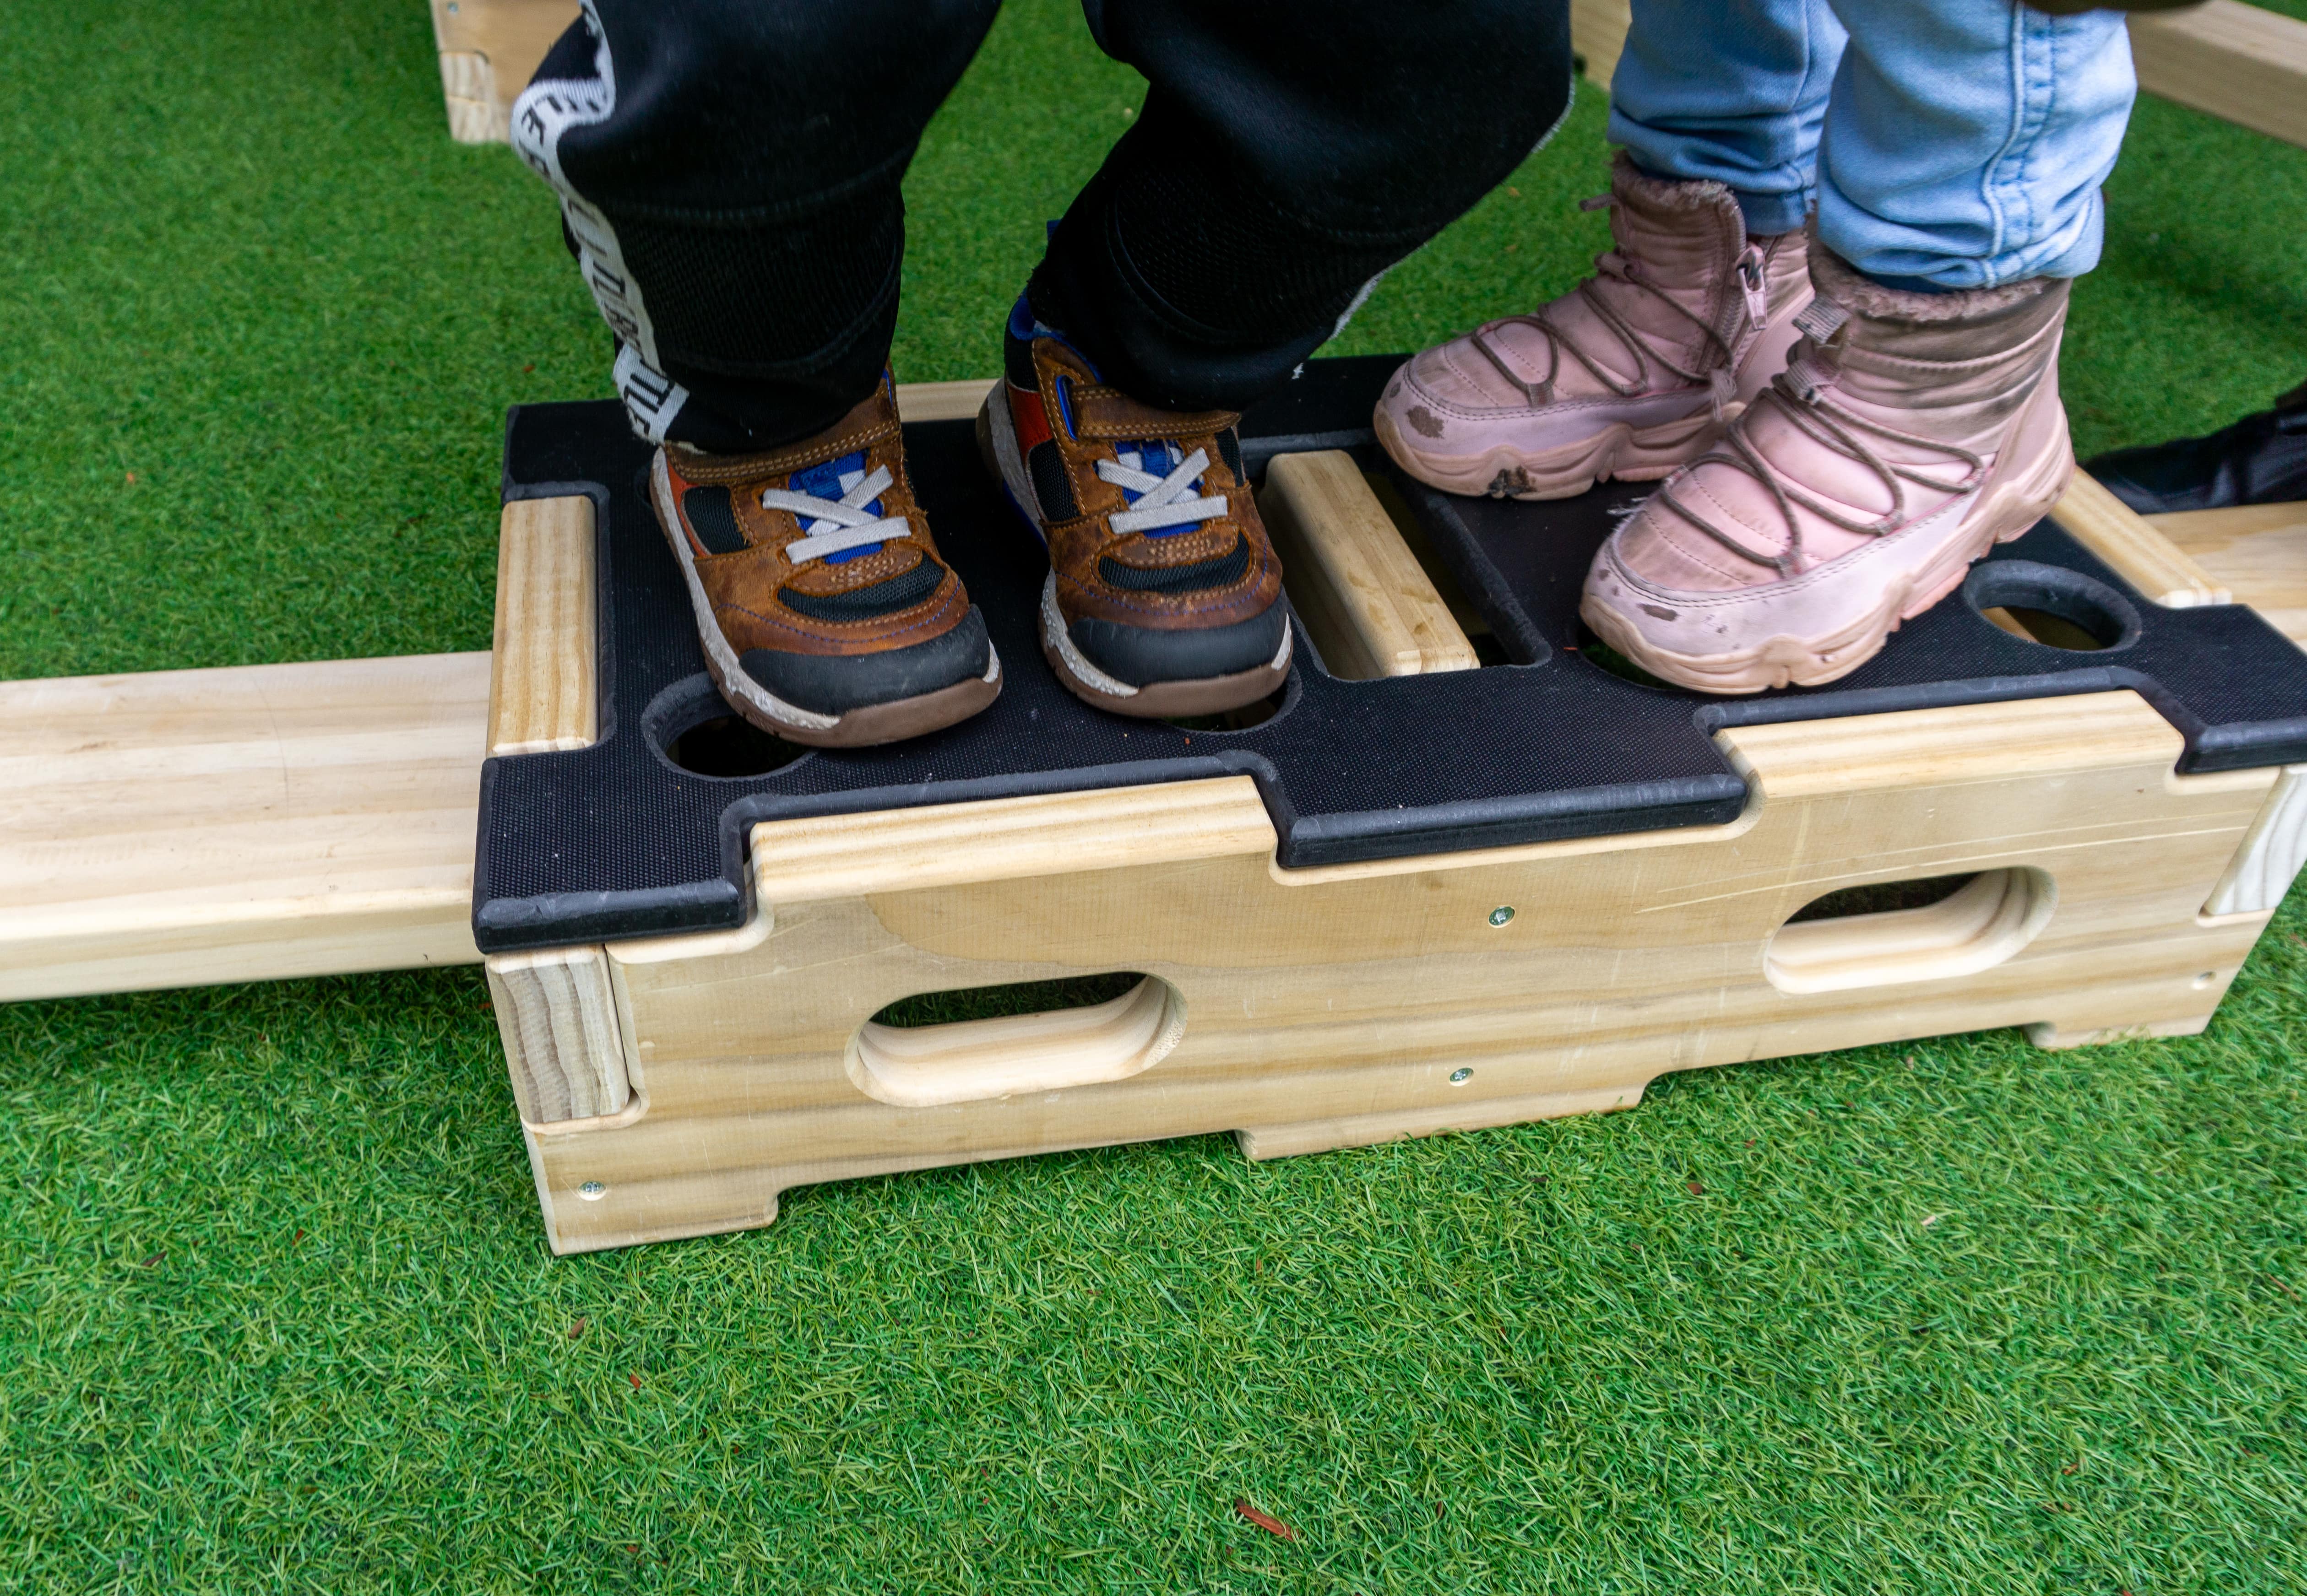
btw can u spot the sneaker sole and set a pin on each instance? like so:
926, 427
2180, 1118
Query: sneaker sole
866, 726
2005, 511
997, 446
1619, 452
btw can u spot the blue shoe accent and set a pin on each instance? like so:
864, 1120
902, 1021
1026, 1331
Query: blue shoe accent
825, 481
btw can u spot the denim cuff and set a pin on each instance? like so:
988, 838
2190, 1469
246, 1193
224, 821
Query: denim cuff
1767, 214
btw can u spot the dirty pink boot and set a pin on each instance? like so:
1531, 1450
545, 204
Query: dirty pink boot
1628, 375
1909, 434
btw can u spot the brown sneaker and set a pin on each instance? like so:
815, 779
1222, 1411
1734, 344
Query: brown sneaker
1164, 595
825, 614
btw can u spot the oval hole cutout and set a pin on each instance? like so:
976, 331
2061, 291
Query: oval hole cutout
726, 746
2051, 605
968, 1061
1975, 927
1258, 712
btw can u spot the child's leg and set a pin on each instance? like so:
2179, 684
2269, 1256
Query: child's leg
1630, 373
1730, 92
1965, 141
1918, 422
729, 174
1288, 152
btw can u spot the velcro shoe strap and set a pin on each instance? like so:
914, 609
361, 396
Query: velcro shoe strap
1111, 416
873, 422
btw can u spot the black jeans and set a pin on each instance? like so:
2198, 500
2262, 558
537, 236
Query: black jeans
730, 170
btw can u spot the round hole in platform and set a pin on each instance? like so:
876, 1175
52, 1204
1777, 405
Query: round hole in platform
2051, 605
1256, 713
693, 729
592, 1191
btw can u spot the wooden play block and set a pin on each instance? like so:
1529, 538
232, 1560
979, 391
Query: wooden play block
676, 1086
2260, 551
489, 50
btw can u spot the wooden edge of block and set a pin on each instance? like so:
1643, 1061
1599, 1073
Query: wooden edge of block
2141, 556
544, 688
2258, 550
848, 855
1361, 594
1597, 32
1261, 1142
2272, 851
942, 401
564, 1047
2242, 63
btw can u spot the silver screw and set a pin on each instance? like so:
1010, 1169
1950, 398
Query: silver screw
592, 1191
1501, 913
1461, 1077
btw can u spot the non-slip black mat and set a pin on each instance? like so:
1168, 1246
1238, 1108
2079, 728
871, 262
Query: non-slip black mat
618, 841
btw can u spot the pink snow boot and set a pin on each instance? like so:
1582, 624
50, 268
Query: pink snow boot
1909, 434
1628, 375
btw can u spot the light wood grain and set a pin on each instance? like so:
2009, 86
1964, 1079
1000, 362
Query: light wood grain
2269, 858
2243, 62
942, 401
1597, 31
2141, 556
1329, 1007
2259, 552
1368, 605
189, 827
543, 691
564, 1050
489, 51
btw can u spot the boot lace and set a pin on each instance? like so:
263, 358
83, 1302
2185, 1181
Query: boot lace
1158, 501
1715, 353
832, 525
1800, 394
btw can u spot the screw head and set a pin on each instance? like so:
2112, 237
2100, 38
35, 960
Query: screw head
1501, 913
1461, 1077
592, 1191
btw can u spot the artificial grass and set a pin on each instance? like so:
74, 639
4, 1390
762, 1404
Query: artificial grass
1956, 1316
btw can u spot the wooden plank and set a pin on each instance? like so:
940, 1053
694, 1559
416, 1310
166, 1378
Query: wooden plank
557, 1016
1597, 32
2257, 550
2141, 556
189, 827
1370, 608
543, 689
1356, 1003
942, 401
489, 51
2272, 852
2242, 63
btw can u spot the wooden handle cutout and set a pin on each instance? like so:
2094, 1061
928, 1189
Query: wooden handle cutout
970, 1060
1978, 927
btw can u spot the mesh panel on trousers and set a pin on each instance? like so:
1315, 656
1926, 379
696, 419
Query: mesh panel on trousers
748, 298
1233, 266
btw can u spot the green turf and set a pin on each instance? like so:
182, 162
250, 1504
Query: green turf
1960, 1316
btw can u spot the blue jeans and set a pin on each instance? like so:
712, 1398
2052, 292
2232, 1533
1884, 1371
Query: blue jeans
1946, 143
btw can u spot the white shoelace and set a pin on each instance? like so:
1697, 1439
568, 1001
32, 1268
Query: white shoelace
832, 525
1161, 500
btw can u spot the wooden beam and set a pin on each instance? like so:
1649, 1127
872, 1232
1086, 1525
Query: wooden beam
489, 51
2258, 550
2140, 555
1598, 33
2239, 62
1371, 608
189, 827
543, 694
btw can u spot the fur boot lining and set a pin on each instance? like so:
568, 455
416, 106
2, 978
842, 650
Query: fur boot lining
1667, 193
1840, 281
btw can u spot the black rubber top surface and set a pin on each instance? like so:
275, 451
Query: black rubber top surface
617, 841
